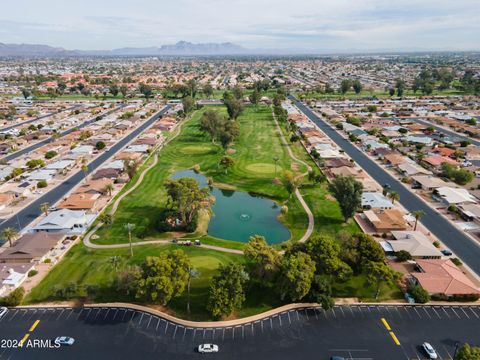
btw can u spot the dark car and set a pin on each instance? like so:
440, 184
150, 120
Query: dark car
446, 252
337, 358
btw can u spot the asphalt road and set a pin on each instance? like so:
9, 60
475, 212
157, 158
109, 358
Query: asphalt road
354, 332
463, 246
33, 120
448, 132
32, 211
63, 133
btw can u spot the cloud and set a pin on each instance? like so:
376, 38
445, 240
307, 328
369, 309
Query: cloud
283, 24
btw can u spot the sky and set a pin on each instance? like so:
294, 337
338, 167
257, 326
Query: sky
292, 25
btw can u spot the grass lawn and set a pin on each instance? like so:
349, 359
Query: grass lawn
379, 94
83, 266
253, 171
357, 287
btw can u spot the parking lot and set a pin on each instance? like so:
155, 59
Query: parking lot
355, 332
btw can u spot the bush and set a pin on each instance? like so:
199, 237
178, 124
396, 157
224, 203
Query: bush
419, 294
436, 244
47, 261
403, 255
457, 261
50, 154
100, 145
14, 298
42, 184
32, 273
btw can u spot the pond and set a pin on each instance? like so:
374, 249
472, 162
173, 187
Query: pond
239, 215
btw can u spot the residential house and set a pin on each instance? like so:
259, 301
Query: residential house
427, 182
453, 196
107, 173
385, 220
31, 247
443, 277
84, 201
414, 242
12, 276
375, 200
409, 169
65, 221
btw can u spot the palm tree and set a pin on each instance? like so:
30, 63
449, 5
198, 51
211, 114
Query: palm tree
275, 159
114, 260
44, 208
129, 227
9, 234
108, 188
417, 214
85, 171
192, 274
393, 195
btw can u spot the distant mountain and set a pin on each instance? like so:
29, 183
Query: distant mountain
180, 48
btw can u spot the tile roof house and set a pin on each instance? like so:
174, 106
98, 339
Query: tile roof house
84, 201
443, 277
437, 161
94, 187
108, 173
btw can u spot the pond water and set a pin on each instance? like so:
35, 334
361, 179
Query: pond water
239, 215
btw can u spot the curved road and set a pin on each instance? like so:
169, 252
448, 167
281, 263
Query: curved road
32, 211
463, 246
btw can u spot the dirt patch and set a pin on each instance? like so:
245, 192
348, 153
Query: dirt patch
277, 181
329, 197
231, 151
295, 167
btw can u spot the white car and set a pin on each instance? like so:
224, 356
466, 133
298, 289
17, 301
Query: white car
207, 348
432, 354
64, 340
3, 311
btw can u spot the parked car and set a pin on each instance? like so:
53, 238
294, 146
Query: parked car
197, 242
446, 252
3, 311
207, 348
431, 353
337, 358
64, 340
409, 298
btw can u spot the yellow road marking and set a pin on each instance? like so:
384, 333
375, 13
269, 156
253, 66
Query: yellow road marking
24, 339
386, 324
394, 337
34, 325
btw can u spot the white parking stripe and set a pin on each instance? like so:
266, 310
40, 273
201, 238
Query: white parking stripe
435, 311
415, 308
468, 317
474, 313
455, 312
445, 311
426, 312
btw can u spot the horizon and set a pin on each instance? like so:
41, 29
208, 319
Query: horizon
309, 27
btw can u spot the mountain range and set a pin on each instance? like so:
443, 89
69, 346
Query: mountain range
180, 48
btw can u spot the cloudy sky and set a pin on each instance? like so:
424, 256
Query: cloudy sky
312, 25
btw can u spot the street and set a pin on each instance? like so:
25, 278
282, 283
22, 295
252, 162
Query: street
32, 211
352, 331
464, 247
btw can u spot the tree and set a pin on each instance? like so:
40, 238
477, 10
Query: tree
419, 294
34, 163
163, 277
357, 86
208, 90
192, 274
85, 171
50, 154
44, 208
403, 255
186, 197
417, 214
345, 86
296, 274
325, 251
100, 145
114, 90
467, 352
348, 193
262, 260
226, 162
131, 167
124, 91
129, 228
234, 107
145, 90
228, 133
15, 298
9, 234
108, 189
378, 272
226, 292
394, 196
211, 122
391, 91
126, 280
106, 218
188, 104
275, 160
192, 87
255, 97
114, 261
400, 86
237, 92
322, 292
26, 93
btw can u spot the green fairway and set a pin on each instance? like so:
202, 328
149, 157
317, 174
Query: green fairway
253, 171
82, 266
